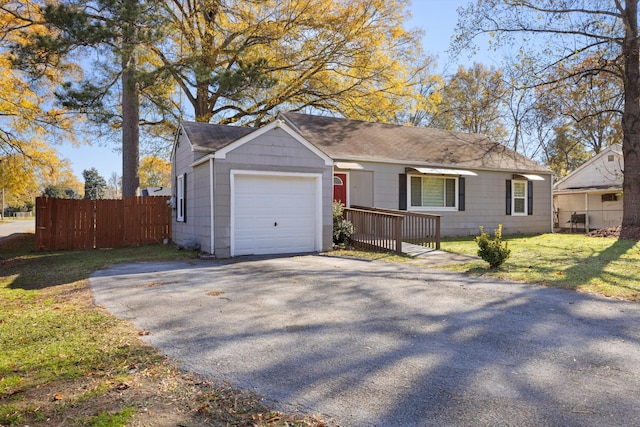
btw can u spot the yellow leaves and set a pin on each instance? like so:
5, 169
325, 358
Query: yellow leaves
26, 119
351, 56
154, 172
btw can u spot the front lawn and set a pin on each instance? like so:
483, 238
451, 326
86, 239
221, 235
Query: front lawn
64, 361
605, 266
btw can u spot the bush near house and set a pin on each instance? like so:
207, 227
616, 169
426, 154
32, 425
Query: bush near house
342, 229
494, 251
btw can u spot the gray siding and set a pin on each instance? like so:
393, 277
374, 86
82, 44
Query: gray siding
183, 232
195, 230
361, 188
275, 151
485, 200
201, 206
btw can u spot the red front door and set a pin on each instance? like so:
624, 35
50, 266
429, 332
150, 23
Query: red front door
340, 188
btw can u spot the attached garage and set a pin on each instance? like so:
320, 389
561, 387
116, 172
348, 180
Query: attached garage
245, 191
275, 212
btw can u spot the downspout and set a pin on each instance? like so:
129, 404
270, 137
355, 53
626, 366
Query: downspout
211, 213
552, 206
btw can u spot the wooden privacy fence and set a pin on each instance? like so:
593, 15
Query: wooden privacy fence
386, 229
88, 224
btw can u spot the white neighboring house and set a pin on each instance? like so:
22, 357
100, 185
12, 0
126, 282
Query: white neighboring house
594, 189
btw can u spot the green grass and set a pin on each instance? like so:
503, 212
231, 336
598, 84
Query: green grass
49, 329
64, 361
105, 419
605, 266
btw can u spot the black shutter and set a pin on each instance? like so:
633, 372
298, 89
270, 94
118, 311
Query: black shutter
529, 197
402, 189
184, 197
508, 197
461, 193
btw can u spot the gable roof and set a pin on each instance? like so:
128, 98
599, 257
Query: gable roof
590, 175
210, 137
358, 140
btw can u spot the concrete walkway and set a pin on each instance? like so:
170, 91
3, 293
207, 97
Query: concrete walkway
434, 256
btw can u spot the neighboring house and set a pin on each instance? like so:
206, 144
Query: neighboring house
269, 190
156, 191
594, 189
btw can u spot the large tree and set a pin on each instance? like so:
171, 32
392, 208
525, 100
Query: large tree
155, 172
28, 122
569, 32
472, 100
243, 61
95, 186
593, 107
109, 40
565, 152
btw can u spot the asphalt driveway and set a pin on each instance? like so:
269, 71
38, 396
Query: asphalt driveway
369, 343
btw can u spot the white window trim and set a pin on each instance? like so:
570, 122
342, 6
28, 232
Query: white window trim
513, 197
180, 202
410, 207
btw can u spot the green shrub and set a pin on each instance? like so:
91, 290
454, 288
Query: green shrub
493, 250
342, 229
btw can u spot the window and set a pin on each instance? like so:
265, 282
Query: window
519, 197
611, 197
434, 192
180, 199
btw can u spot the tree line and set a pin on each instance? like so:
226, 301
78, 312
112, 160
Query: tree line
129, 70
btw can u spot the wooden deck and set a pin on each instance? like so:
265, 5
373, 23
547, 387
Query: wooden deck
394, 230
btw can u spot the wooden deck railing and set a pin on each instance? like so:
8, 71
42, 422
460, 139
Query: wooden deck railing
375, 230
386, 229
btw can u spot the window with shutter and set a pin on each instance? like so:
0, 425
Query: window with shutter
435, 193
519, 203
180, 198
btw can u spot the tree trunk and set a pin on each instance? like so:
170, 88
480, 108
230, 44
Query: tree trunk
631, 124
130, 127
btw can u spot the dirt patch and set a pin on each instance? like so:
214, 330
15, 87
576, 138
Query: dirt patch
632, 233
605, 232
160, 396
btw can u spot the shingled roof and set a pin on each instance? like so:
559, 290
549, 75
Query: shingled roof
343, 139
210, 137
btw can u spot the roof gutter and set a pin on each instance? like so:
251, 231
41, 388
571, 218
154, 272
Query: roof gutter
411, 163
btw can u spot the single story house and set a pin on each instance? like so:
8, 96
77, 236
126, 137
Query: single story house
593, 190
270, 190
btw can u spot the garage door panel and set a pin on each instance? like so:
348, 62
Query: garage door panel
274, 214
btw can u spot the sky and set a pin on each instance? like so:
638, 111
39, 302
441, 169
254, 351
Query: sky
437, 18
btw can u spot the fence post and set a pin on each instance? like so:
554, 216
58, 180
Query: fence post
398, 232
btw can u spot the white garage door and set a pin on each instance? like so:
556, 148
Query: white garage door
274, 214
